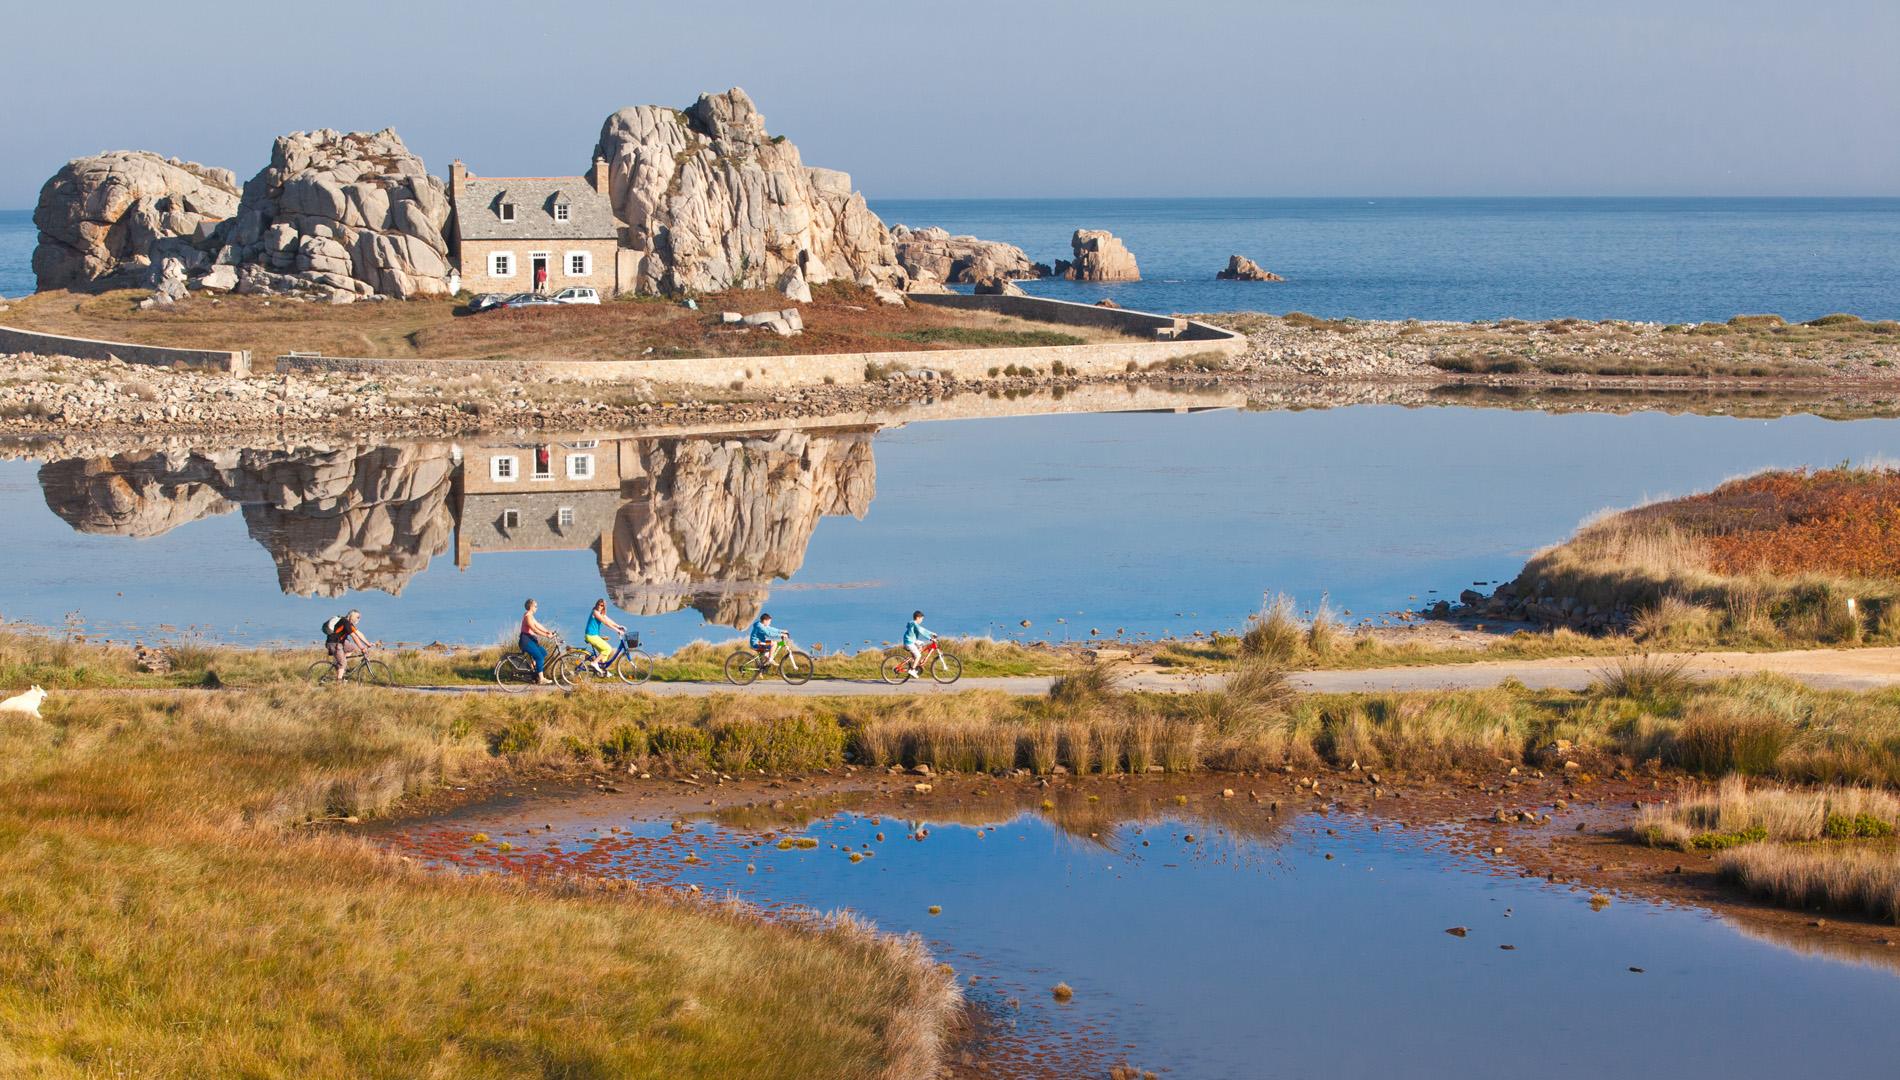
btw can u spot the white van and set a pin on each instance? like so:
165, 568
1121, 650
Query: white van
576, 294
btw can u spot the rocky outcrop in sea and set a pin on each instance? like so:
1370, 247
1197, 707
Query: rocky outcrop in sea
1241, 268
931, 253
1099, 256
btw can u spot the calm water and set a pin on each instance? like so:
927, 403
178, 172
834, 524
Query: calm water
1245, 952
1663, 260
1666, 260
1144, 522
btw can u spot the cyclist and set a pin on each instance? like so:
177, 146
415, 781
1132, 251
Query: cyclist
597, 626
343, 639
915, 637
532, 631
765, 638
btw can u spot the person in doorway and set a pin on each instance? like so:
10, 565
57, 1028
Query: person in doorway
532, 633
540, 278
597, 626
343, 640
915, 636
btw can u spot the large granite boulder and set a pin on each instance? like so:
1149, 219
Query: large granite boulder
1241, 268
344, 215
104, 221
1099, 256
712, 202
932, 252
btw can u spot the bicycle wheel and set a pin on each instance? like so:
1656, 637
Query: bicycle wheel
321, 673
514, 672
796, 668
373, 673
742, 669
634, 667
946, 668
895, 669
568, 670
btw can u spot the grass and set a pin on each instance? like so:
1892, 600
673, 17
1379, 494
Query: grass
1737, 813
1776, 559
1860, 880
166, 917
840, 318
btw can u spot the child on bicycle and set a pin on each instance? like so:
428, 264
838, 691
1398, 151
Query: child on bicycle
915, 637
597, 626
765, 637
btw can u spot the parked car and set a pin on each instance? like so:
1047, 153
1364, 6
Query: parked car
576, 294
527, 300
489, 300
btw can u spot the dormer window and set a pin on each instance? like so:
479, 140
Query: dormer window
560, 211
506, 210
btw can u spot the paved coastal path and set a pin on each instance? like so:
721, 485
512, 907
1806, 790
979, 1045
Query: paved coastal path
1827, 669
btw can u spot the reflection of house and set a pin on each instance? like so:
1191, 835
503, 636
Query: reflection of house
538, 497
509, 231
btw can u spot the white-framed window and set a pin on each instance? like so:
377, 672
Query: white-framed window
510, 519
580, 263
560, 211
502, 469
580, 466
544, 463
501, 264
506, 210
564, 517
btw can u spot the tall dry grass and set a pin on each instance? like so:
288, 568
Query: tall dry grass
1738, 814
1861, 880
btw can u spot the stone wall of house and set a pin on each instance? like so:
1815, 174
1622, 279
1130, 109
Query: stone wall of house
604, 272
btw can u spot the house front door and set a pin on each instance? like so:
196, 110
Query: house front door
539, 272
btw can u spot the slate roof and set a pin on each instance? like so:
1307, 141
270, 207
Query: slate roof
478, 214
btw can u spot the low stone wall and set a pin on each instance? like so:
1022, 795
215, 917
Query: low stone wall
236, 362
1195, 340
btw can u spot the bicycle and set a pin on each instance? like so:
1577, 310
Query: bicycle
745, 666
358, 668
944, 667
626, 663
514, 672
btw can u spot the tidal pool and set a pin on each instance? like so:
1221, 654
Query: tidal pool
1084, 524
1219, 940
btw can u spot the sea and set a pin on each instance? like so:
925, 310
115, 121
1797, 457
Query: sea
1647, 259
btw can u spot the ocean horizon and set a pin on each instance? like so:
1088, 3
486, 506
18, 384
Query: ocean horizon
1651, 259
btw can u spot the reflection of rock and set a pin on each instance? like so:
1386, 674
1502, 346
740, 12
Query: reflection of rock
334, 521
933, 253
718, 520
104, 219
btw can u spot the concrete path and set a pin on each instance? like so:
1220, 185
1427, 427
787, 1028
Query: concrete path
1827, 669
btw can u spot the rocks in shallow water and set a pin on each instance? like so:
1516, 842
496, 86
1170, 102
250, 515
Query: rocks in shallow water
1099, 256
1241, 268
933, 252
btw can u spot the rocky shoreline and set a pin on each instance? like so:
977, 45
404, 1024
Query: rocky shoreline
1292, 361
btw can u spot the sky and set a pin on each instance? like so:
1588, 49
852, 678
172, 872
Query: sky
1034, 98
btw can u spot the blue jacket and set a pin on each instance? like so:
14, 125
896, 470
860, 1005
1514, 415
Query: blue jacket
762, 634
915, 634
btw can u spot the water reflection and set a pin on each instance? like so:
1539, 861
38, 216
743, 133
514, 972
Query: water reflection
705, 523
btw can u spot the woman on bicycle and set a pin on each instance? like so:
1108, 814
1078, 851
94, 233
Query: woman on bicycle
597, 626
532, 631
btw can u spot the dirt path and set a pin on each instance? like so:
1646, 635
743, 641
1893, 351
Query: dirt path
1827, 669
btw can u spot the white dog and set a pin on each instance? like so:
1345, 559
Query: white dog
28, 703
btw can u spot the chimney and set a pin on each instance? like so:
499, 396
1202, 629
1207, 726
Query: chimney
600, 174
458, 178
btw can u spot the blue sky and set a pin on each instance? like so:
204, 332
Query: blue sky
1031, 98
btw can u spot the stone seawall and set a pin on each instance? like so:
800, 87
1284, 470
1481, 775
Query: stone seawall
234, 362
1186, 340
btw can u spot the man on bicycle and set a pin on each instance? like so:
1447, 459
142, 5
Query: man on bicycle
597, 626
343, 639
915, 637
765, 638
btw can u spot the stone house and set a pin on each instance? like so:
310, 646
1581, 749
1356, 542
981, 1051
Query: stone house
505, 229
